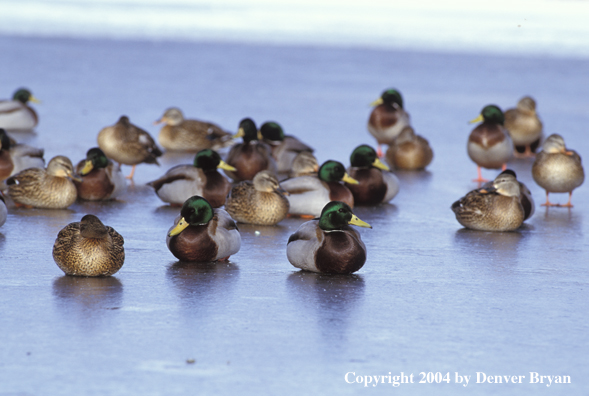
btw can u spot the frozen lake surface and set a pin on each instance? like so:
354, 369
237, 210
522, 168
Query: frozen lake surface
432, 297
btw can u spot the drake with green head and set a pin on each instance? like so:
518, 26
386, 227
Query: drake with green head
101, 178
309, 194
203, 234
17, 157
259, 202
181, 134
388, 118
202, 178
328, 244
409, 151
497, 207
251, 156
375, 183
284, 148
15, 114
89, 248
489, 144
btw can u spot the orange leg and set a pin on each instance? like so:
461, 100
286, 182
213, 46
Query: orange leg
224, 258
568, 204
379, 151
19, 205
301, 216
548, 203
504, 167
528, 153
132, 173
480, 178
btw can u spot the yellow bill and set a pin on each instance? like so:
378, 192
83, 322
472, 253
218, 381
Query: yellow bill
240, 133
357, 222
260, 137
182, 224
478, 119
225, 166
34, 100
87, 168
159, 121
380, 165
349, 179
377, 102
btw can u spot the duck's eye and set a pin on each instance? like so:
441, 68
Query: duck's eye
341, 210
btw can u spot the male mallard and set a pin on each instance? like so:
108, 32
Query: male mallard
309, 194
523, 125
375, 183
101, 178
251, 156
328, 244
304, 164
525, 194
202, 233
45, 189
489, 144
557, 169
202, 178
190, 135
284, 148
3, 211
128, 144
261, 202
17, 157
497, 208
15, 114
388, 118
89, 248
409, 151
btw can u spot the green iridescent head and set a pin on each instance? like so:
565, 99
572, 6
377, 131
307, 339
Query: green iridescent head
333, 171
23, 95
272, 131
336, 215
389, 97
247, 130
364, 156
195, 211
491, 114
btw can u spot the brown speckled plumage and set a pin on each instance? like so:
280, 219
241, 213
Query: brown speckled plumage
409, 151
487, 211
89, 248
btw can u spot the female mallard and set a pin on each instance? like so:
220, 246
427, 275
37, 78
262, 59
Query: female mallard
388, 118
375, 183
524, 126
261, 202
45, 189
328, 244
309, 194
251, 156
497, 208
557, 169
409, 151
101, 178
304, 164
489, 144
128, 144
89, 248
202, 178
202, 233
190, 135
17, 157
525, 194
3, 211
284, 148
15, 114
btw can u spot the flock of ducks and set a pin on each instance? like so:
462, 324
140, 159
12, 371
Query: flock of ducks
273, 176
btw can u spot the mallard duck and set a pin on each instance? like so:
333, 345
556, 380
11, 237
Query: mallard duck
525, 194
3, 211
202, 233
497, 208
489, 144
284, 148
388, 118
202, 178
409, 151
101, 178
523, 125
259, 202
251, 156
89, 248
128, 144
45, 189
17, 157
15, 114
190, 135
375, 183
557, 169
328, 244
309, 194
304, 164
